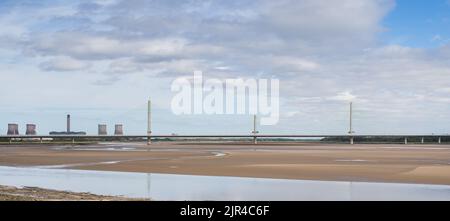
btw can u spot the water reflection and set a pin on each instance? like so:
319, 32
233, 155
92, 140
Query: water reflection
186, 187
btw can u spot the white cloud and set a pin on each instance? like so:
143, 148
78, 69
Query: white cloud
83, 46
343, 96
292, 63
64, 64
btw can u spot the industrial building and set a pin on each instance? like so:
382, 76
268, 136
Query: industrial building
13, 129
118, 129
31, 129
68, 131
102, 129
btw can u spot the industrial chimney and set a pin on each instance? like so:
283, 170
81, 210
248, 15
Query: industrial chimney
102, 129
68, 123
13, 129
118, 129
31, 129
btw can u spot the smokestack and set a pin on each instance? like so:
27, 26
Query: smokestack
118, 129
31, 129
68, 123
13, 129
102, 129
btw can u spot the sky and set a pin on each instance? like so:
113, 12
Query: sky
101, 60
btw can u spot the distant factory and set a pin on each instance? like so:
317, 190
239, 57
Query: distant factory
118, 129
103, 131
31, 129
13, 129
67, 132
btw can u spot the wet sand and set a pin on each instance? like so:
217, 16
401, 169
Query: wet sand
8, 193
427, 164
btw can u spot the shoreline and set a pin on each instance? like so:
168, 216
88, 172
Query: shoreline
11, 193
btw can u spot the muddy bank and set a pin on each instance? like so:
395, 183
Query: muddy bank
421, 164
8, 193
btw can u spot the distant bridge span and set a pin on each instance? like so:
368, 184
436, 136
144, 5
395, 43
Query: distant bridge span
254, 136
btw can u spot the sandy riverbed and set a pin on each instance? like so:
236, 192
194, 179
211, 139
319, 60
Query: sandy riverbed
428, 164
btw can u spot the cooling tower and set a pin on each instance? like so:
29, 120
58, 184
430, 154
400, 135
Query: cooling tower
31, 129
102, 129
13, 129
118, 129
68, 123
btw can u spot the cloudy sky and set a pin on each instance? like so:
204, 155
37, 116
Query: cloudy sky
101, 60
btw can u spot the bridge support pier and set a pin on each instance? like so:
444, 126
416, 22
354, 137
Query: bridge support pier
149, 122
255, 140
149, 140
439, 140
352, 140
422, 141
406, 140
